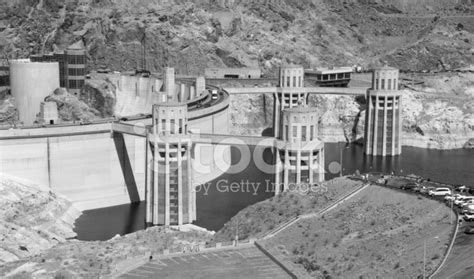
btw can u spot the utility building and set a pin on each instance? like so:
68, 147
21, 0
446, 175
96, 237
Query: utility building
299, 154
72, 66
170, 197
383, 121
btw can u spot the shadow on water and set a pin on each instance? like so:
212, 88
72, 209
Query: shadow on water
230, 193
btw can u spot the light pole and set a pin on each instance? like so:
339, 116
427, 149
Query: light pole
424, 259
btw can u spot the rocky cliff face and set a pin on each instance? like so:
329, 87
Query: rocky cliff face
193, 35
91, 104
99, 95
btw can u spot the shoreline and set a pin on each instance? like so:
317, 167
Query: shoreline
424, 142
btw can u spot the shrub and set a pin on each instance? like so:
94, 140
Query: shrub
436, 256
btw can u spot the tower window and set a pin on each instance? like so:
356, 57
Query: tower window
312, 133
295, 131
303, 133
294, 81
163, 124
389, 86
172, 128
383, 84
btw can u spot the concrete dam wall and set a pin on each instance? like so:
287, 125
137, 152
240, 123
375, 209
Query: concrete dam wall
96, 168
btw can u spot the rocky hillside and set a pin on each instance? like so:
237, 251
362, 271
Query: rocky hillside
32, 219
193, 35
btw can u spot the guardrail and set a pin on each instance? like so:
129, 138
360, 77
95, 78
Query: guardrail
450, 248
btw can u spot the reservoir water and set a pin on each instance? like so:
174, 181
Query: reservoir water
217, 204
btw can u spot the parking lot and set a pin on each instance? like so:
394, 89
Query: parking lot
246, 262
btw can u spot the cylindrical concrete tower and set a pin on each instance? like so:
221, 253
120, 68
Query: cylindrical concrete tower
383, 126
171, 200
290, 93
300, 154
30, 83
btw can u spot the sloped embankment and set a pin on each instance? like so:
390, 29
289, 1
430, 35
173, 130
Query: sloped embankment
32, 219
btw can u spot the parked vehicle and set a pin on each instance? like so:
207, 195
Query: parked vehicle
469, 216
452, 198
467, 201
467, 208
459, 200
469, 230
425, 190
417, 188
462, 189
409, 186
439, 192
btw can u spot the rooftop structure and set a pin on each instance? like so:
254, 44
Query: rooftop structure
330, 77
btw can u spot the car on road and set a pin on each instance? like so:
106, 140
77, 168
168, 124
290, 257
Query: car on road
439, 192
214, 94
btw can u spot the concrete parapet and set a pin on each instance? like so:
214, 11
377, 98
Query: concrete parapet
200, 85
169, 81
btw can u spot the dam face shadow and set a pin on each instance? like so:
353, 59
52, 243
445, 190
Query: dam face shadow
126, 166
